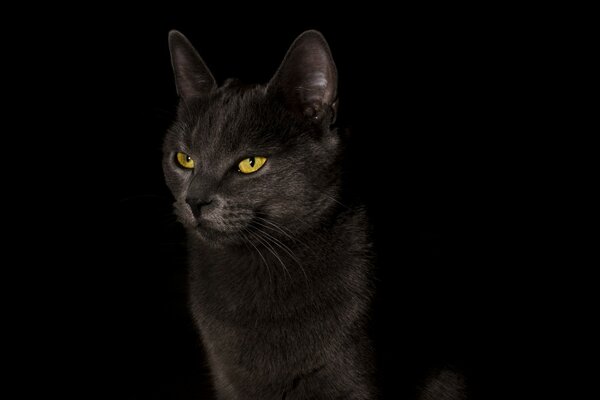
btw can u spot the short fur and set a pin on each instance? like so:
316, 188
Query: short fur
279, 261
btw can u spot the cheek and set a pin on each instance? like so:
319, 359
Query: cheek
175, 180
290, 195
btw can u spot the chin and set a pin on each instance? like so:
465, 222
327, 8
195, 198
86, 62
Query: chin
216, 238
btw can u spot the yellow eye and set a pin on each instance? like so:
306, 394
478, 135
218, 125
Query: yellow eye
251, 164
185, 161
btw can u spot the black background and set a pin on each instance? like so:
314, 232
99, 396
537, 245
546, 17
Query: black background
425, 94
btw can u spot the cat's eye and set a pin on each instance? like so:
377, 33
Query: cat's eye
184, 160
251, 164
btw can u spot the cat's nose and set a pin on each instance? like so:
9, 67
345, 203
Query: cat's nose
197, 205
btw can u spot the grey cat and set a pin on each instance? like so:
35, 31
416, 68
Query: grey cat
279, 259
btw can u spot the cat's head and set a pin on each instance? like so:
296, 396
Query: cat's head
243, 161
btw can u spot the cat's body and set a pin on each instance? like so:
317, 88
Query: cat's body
279, 261
270, 333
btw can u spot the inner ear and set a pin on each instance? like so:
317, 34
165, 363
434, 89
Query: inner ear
307, 77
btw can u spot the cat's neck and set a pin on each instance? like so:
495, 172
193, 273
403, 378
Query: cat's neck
275, 256
282, 267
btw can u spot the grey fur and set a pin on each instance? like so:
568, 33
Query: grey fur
279, 260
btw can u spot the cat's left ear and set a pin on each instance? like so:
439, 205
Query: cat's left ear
307, 77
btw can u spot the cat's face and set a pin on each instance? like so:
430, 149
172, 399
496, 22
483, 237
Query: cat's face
242, 162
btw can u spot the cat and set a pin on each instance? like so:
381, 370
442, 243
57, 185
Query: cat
280, 262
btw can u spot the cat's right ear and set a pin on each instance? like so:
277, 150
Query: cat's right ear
192, 76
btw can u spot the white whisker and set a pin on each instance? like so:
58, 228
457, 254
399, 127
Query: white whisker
261, 255
272, 250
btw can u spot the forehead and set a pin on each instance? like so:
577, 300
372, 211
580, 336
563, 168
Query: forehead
229, 124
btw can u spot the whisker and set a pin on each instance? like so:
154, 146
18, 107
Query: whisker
285, 248
336, 200
278, 242
272, 250
273, 229
261, 255
283, 228
286, 231
278, 228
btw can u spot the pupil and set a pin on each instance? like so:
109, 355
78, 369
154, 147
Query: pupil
188, 158
251, 161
